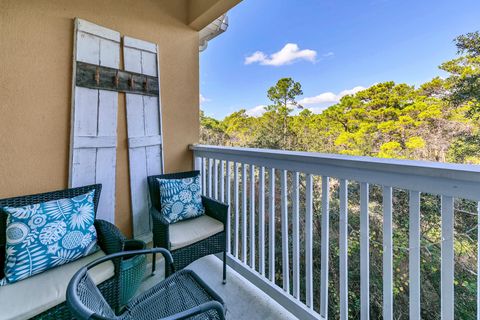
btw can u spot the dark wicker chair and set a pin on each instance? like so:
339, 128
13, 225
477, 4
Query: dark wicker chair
183, 295
182, 257
110, 241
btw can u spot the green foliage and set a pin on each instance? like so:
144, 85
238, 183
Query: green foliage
274, 127
465, 149
284, 93
464, 80
469, 43
212, 131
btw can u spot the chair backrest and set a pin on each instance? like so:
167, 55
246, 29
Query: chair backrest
154, 188
85, 300
38, 198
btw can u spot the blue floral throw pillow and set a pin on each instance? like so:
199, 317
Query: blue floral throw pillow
45, 235
180, 198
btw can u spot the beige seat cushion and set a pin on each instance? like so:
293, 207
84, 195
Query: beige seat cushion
187, 232
27, 298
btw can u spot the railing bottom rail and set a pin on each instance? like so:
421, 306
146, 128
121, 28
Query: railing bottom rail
295, 307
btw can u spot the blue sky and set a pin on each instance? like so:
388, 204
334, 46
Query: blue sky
332, 47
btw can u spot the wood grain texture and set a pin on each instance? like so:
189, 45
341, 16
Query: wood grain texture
144, 132
94, 116
113, 79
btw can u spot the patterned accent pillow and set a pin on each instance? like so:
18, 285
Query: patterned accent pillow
180, 198
48, 234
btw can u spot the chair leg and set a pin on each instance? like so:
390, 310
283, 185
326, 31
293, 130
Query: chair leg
224, 267
154, 261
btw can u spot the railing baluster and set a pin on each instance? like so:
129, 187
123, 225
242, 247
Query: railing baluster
478, 261
284, 208
296, 234
222, 181
204, 177
237, 213
228, 182
414, 255
244, 213
261, 224
271, 225
343, 249
215, 179
447, 255
325, 246
364, 253
210, 177
198, 166
309, 241
197, 163
252, 216
387, 254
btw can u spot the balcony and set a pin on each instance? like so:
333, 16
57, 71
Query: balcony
282, 241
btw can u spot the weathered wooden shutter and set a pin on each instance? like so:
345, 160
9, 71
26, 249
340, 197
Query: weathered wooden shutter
144, 132
94, 117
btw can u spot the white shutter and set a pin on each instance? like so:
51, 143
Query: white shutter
94, 117
144, 133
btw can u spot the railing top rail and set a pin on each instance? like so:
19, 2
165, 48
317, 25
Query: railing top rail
375, 170
359, 162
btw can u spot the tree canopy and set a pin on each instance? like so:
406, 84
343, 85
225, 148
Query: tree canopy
437, 121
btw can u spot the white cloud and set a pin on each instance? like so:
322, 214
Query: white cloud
289, 54
203, 99
318, 110
325, 97
330, 97
256, 57
352, 91
256, 111
318, 103
328, 54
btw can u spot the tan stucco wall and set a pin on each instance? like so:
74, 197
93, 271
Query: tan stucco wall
35, 88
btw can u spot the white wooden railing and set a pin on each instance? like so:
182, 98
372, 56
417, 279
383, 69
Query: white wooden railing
226, 172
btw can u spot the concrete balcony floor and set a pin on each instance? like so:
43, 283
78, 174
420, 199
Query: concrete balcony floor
242, 299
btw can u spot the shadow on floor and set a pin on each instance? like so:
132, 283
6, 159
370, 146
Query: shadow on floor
242, 299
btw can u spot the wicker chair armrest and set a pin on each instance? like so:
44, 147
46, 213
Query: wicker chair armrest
215, 209
133, 244
110, 238
129, 254
204, 307
72, 295
161, 227
158, 216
